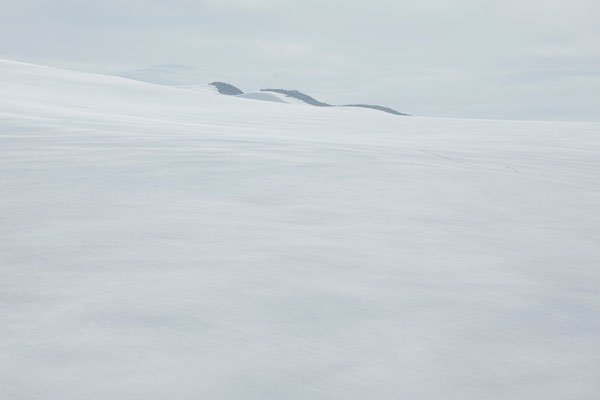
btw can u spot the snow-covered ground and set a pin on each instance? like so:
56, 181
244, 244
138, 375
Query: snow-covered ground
272, 96
199, 88
165, 243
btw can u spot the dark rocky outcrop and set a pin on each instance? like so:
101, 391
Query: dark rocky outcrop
226, 88
312, 101
300, 96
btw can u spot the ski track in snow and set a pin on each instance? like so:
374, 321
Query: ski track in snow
164, 243
467, 163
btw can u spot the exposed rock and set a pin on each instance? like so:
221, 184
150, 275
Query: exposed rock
300, 96
226, 88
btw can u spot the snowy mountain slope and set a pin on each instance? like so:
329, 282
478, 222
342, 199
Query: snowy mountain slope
200, 88
296, 94
263, 96
272, 96
167, 74
181, 76
157, 242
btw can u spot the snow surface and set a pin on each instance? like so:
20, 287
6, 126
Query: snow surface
200, 88
264, 96
167, 74
160, 243
272, 96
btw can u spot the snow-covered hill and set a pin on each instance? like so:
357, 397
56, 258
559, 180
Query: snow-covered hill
167, 243
270, 96
167, 74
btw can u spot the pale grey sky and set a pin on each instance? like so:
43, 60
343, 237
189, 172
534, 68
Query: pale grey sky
525, 59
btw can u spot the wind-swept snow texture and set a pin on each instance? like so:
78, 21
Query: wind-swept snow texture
163, 243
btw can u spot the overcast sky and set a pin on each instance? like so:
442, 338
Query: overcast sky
517, 59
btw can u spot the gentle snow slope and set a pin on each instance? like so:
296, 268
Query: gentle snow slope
162, 243
263, 96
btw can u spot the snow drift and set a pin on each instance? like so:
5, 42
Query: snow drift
165, 243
